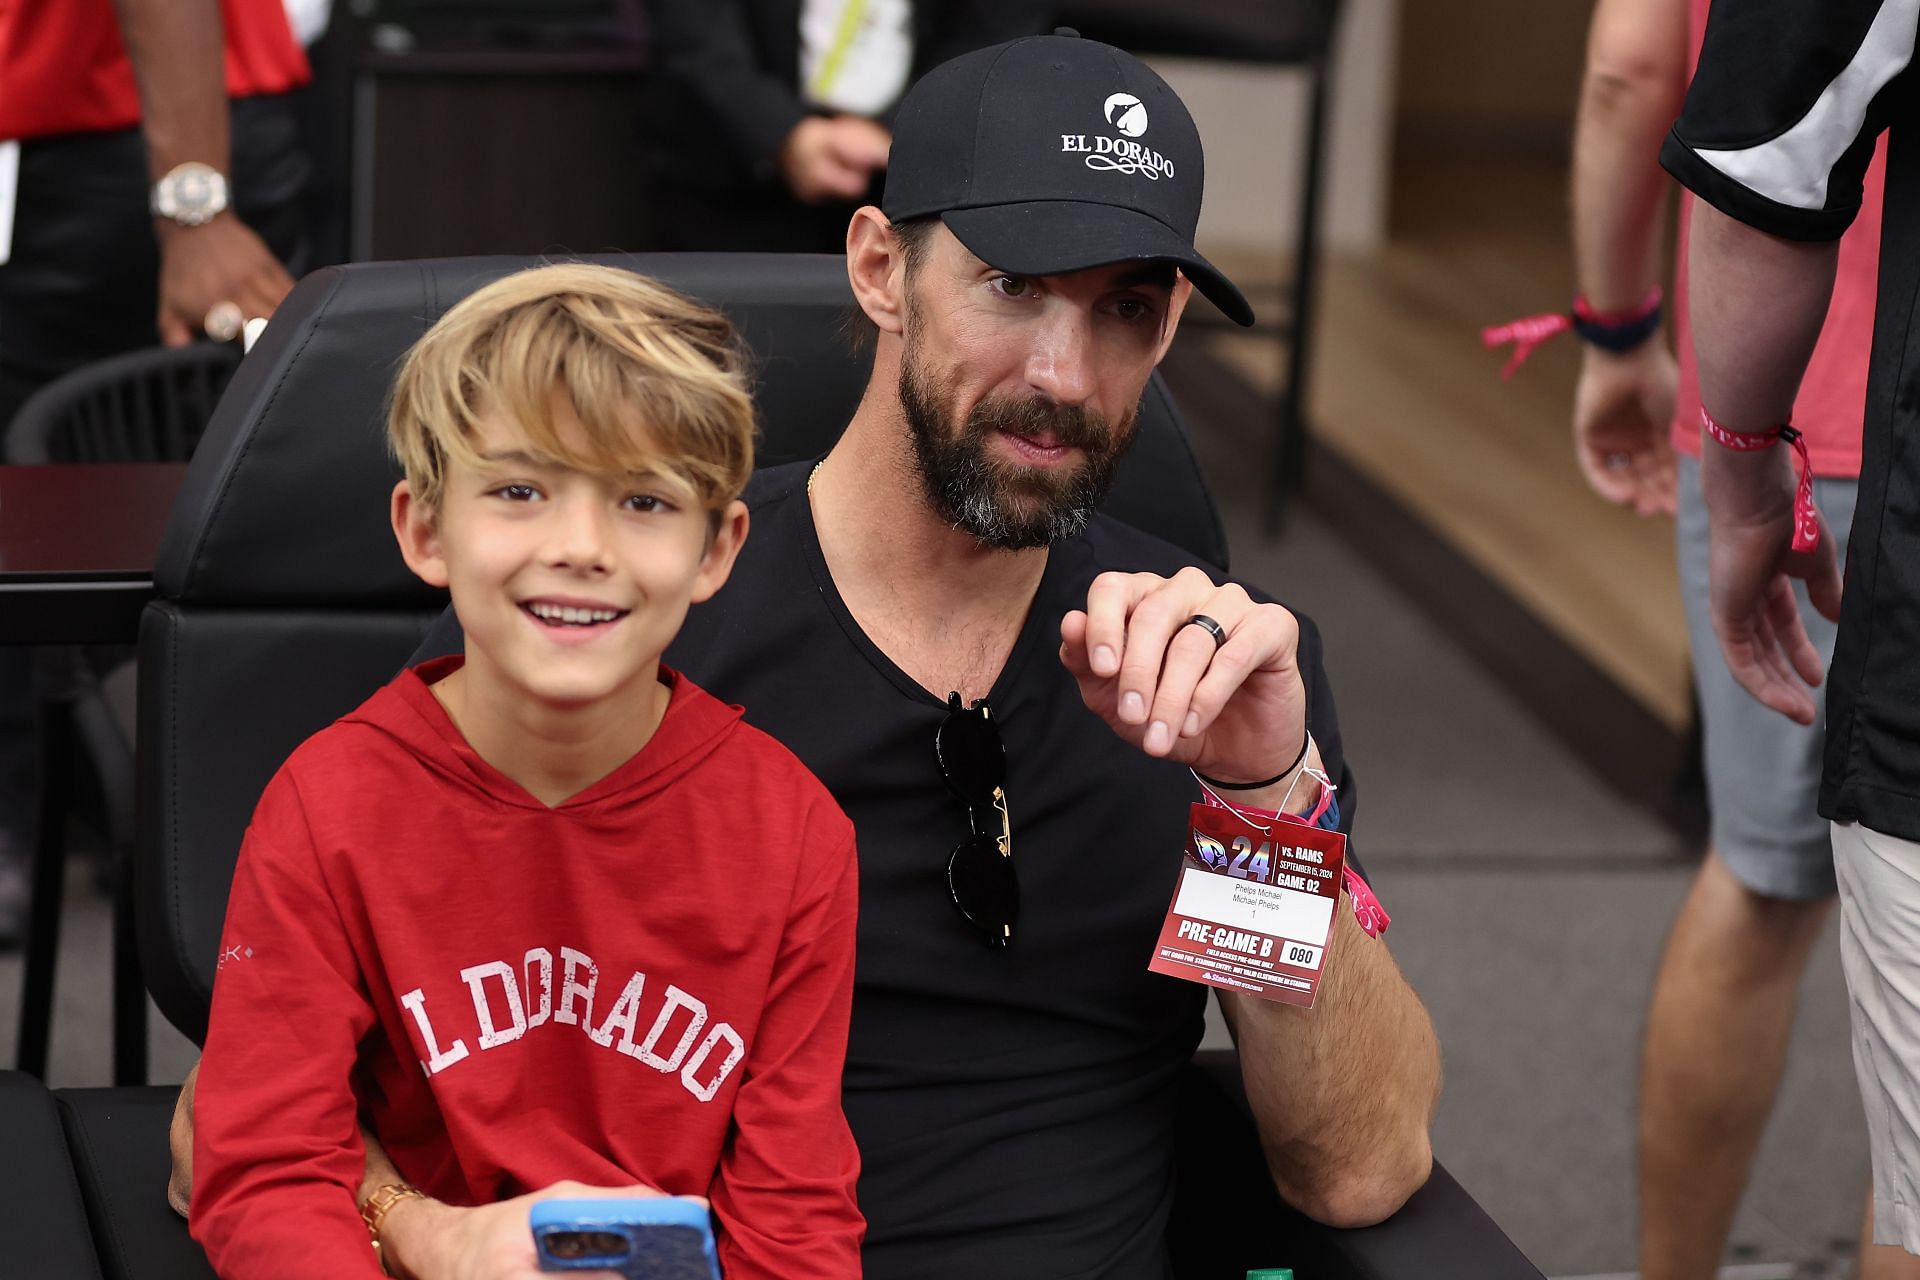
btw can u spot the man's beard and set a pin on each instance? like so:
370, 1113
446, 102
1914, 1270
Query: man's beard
1009, 507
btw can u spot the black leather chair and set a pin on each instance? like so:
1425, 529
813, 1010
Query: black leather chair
283, 602
43, 1229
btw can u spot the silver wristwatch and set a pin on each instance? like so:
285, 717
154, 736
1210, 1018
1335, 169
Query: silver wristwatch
191, 194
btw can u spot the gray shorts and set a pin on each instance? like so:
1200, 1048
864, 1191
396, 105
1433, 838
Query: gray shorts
1763, 770
1880, 954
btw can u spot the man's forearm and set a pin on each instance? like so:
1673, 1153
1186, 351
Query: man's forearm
1758, 303
1632, 89
1344, 1092
178, 52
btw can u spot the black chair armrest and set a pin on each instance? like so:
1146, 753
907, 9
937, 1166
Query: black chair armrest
119, 1142
1439, 1234
43, 1221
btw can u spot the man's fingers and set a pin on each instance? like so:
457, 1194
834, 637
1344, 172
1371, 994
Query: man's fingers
264, 294
1188, 657
1610, 483
1262, 634
1109, 600
1790, 633
1774, 649
841, 179
1755, 659
1824, 583
1150, 628
1652, 482
1753, 676
174, 332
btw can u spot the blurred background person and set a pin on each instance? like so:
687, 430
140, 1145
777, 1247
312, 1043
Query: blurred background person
150, 187
1725, 994
1778, 128
771, 119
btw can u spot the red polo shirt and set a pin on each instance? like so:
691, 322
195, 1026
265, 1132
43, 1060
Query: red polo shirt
63, 68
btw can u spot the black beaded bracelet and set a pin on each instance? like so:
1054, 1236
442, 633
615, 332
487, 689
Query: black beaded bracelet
1275, 780
1616, 335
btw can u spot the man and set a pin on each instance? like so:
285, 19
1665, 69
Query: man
1723, 1002
1776, 132
1014, 1103
770, 121
149, 185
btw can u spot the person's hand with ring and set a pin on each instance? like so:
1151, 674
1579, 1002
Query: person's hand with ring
1226, 699
214, 278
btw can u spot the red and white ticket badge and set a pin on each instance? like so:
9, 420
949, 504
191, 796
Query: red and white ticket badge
1253, 911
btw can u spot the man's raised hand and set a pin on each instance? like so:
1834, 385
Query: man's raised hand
1234, 710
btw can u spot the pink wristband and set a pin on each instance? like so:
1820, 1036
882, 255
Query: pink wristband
1806, 525
1614, 330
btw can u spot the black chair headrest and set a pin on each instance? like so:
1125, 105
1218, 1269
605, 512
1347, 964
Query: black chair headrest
286, 499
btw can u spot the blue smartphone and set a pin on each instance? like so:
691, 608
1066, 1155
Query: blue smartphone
655, 1238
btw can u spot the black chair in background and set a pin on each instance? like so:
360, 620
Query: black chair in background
145, 406
1291, 33
283, 602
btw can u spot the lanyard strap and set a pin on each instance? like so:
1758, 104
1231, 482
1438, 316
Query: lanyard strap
1806, 524
844, 32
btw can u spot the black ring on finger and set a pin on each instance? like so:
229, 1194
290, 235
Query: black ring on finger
1208, 625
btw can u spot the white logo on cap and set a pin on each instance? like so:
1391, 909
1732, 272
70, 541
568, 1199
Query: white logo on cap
1126, 113
1120, 155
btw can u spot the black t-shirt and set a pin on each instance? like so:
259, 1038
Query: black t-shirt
1778, 129
1014, 1108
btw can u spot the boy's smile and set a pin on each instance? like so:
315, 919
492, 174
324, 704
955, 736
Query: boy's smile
569, 580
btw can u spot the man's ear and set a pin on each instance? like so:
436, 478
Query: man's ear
1176, 307
728, 537
877, 269
416, 529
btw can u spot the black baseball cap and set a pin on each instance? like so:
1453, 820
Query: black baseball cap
1052, 154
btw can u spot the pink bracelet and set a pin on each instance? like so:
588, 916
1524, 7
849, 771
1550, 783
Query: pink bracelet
1613, 330
1806, 524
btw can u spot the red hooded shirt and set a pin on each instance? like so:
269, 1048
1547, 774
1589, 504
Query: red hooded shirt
649, 982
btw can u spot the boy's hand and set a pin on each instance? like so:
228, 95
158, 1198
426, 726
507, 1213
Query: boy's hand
428, 1240
180, 1146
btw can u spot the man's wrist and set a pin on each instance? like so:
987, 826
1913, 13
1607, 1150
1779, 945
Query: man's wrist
1746, 488
1288, 792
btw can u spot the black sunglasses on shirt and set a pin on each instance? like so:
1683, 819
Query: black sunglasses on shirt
980, 874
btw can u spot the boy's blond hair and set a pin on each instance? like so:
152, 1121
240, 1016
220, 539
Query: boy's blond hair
657, 380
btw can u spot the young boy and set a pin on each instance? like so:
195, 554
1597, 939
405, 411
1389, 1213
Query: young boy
547, 911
